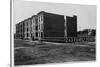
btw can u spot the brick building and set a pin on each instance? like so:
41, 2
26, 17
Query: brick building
47, 26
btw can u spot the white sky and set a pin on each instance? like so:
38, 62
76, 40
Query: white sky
86, 14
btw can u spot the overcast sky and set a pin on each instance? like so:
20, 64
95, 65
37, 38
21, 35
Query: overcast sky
86, 14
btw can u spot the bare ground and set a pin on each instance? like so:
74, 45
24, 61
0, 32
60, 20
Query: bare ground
27, 53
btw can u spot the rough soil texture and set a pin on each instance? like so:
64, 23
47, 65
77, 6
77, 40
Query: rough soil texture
26, 53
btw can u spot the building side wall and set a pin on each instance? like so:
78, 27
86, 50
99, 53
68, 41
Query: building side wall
53, 26
20, 30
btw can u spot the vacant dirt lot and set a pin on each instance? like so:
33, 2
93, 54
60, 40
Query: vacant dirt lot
26, 52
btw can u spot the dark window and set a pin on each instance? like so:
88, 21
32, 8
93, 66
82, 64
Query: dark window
27, 29
36, 21
41, 34
36, 27
27, 34
36, 34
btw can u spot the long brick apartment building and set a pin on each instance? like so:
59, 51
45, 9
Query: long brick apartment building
47, 26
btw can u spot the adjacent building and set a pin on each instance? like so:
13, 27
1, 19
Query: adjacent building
71, 26
47, 26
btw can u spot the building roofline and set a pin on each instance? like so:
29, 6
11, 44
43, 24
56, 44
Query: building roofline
71, 16
41, 12
48, 13
33, 16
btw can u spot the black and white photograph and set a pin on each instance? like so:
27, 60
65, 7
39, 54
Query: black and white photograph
53, 33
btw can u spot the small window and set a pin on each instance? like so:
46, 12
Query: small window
41, 26
31, 22
36, 34
27, 29
41, 18
36, 27
27, 34
41, 34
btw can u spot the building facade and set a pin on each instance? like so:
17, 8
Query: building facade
47, 26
